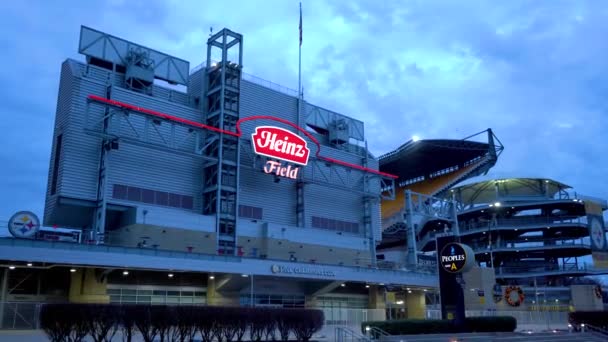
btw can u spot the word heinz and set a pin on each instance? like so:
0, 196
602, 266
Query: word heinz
281, 144
451, 258
283, 171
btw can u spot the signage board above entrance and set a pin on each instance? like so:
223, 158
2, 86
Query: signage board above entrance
456, 258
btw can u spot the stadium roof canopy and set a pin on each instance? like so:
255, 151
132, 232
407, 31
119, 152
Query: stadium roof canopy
420, 158
489, 191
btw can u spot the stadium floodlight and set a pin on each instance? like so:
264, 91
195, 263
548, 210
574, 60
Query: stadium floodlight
415, 138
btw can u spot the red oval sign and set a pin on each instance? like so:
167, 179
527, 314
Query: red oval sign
281, 144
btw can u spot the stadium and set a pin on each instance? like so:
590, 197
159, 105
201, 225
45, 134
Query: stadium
172, 185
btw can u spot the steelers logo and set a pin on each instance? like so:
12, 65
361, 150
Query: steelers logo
24, 224
597, 234
275, 268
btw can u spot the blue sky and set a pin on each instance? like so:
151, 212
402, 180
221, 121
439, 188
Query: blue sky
534, 71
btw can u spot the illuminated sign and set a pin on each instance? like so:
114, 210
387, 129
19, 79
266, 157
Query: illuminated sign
281, 144
456, 257
24, 224
301, 270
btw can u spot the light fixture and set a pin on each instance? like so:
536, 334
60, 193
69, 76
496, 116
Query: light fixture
125, 273
211, 277
367, 328
29, 264
343, 285
497, 204
72, 270
409, 291
170, 275
425, 290
11, 267
399, 302
415, 138
244, 275
367, 286
381, 284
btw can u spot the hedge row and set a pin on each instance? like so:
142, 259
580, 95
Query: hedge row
596, 318
102, 322
434, 326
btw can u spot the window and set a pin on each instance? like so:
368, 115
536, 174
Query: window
147, 296
250, 212
56, 164
132, 193
337, 225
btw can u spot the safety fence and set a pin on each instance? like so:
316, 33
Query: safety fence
24, 316
526, 320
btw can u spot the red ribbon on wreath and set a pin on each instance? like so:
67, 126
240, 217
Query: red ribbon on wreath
598, 292
520, 295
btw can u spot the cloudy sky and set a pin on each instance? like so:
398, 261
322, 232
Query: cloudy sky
536, 72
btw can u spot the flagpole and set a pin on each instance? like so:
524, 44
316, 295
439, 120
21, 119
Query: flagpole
300, 70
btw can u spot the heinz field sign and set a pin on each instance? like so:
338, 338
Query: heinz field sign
283, 145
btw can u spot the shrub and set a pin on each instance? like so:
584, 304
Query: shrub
431, 326
73, 322
491, 324
102, 320
54, 322
309, 322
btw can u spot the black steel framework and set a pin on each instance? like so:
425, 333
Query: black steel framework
221, 109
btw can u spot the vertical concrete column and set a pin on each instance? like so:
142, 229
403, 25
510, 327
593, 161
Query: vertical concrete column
376, 304
416, 304
376, 298
211, 292
85, 287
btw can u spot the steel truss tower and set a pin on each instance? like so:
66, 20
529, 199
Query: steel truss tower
221, 109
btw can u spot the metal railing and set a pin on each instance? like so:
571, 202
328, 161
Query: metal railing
593, 328
411, 271
376, 333
541, 320
535, 268
257, 80
520, 222
347, 335
528, 245
19, 315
